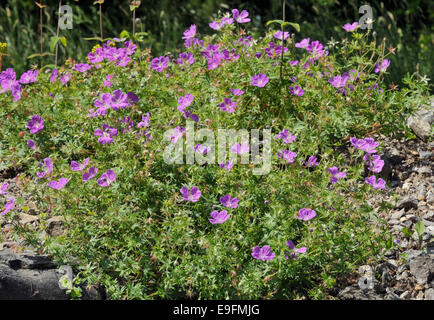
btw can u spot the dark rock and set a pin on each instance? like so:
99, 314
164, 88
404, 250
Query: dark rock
355, 293
421, 122
407, 202
27, 276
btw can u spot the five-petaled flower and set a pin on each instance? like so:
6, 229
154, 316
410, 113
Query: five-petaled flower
349, 27
306, 214
192, 195
106, 134
263, 253
376, 184
58, 184
228, 202
336, 174
8, 206
107, 178
259, 80
219, 217
294, 250
36, 124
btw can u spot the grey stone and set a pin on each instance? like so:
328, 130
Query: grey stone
355, 293
421, 121
425, 154
429, 294
422, 267
407, 202
405, 295
402, 276
55, 226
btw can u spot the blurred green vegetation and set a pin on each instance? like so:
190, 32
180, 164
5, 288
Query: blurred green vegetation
407, 26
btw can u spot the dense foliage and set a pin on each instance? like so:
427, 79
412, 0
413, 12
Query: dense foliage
91, 138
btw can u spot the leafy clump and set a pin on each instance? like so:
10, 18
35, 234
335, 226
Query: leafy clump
94, 139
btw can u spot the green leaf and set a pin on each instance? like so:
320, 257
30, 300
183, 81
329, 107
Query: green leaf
20, 201
273, 21
63, 41
420, 228
53, 42
296, 26
407, 232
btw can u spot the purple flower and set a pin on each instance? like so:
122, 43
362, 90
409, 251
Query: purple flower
75, 166
185, 58
287, 155
303, 43
338, 81
240, 148
259, 80
107, 82
372, 180
263, 253
160, 63
36, 124
177, 134
216, 25
31, 144
145, 121
293, 63
107, 178
82, 67
58, 184
383, 67
240, 17
374, 162
190, 32
286, 136
192, 195
219, 217
350, 27
228, 105
199, 148
3, 188
65, 78
311, 162
49, 168
297, 91
336, 174
8, 206
54, 74
185, 101
279, 34
227, 166
97, 56
236, 92
228, 202
29, 76
306, 214
368, 144
90, 174
106, 134
294, 250
119, 100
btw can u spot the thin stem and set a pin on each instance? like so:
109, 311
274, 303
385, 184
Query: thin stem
134, 22
42, 39
58, 31
1, 58
100, 20
282, 28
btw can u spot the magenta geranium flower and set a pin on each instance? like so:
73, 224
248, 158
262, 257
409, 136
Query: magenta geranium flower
227, 166
287, 155
119, 100
237, 92
75, 166
97, 56
31, 144
58, 184
306, 214
336, 174
48, 164
185, 101
293, 63
177, 134
8, 207
279, 34
259, 80
311, 162
294, 250
90, 174
370, 145
192, 195
219, 217
29, 76
65, 78
185, 58
36, 124
145, 121
228, 202
263, 253
228, 105
286, 136
108, 78
3, 188
296, 91
199, 148
160, 63
107, 178
349, 27
82, 67
190, 32
374, 162
376, 184
240, 148
106, 134
240, 17
303, 43
383, 66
